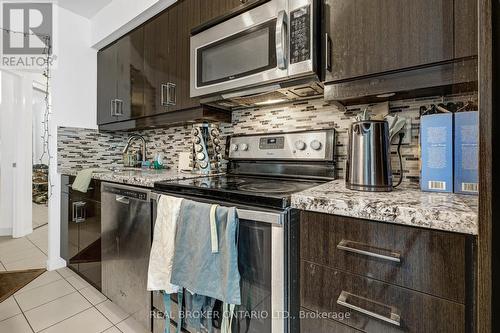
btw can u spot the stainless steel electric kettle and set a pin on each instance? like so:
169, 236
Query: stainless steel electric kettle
369, 161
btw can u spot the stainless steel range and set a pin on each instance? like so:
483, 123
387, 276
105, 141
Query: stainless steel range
263, 173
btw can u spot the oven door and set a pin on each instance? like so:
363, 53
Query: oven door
246, 50
261, 262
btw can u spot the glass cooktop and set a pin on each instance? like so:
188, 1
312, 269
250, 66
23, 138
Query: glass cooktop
260, 191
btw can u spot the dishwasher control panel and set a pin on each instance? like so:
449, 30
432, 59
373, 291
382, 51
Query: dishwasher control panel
127, 192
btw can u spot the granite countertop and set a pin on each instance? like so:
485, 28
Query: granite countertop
405, 205
137, 177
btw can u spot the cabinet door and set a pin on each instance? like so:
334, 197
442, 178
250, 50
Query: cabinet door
184, 16
215, 8
376, 36
106, 84
157, 63
465, 28
72, 236
130, 74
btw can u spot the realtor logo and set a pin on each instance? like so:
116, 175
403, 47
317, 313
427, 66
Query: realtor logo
27, 28
27, 34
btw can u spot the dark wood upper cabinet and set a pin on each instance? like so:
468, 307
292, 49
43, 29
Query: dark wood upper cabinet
157, 62
130, 85
187, 16
465, 28
376, 36
120, 79
106, 85
214, 8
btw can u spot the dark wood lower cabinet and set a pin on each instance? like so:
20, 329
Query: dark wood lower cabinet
379, 277
81, 231
374, 306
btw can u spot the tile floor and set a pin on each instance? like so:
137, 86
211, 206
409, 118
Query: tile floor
40, 215
58, 301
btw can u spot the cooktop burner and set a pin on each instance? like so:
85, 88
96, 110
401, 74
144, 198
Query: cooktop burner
271, 187
262, 191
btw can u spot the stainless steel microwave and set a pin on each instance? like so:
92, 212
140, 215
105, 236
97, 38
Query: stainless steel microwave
264, 45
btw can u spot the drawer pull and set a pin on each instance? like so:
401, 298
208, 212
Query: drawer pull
375, 252
392, 314
79, 211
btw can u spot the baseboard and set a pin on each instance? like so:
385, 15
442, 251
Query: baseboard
5, 231
55, 264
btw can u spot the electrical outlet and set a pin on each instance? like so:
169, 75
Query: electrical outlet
407, 130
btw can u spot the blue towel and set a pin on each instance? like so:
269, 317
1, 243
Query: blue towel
195, 266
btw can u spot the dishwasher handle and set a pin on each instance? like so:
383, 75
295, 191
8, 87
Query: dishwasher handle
122, 199
123, 194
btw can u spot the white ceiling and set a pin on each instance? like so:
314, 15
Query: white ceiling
86, 8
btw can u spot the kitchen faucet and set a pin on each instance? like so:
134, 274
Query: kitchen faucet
143, 145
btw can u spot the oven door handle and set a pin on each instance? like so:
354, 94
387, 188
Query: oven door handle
260, 216
281, 40
275, 218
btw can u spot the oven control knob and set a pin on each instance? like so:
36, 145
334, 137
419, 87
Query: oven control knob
316, 145
215, 132
234, 147
300, 145
243, 146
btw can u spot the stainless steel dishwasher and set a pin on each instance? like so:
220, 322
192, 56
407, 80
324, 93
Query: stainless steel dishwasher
126, 243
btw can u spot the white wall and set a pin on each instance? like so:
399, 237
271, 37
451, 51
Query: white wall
121, 16
74, 99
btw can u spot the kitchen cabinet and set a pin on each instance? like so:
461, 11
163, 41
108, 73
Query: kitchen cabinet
465, 13
389, 278
143, 78
410, 48
166, 49
210, 10
376, 36
120, 79
81, 230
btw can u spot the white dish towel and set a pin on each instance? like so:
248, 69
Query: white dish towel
162, 249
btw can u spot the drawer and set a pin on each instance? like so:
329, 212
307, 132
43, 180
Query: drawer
429, 261
373, 306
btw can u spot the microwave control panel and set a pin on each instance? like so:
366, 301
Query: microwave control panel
300, 34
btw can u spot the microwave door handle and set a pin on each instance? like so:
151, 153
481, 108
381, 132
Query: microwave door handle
281, 37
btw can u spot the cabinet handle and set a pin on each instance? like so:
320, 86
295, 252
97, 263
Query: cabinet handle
328, 52
113, 107
116, 107
79, 211
168, 94
119, 109
394, 317
281, 37
360, 248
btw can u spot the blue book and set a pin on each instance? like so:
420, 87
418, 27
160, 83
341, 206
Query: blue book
467, 152
436, 141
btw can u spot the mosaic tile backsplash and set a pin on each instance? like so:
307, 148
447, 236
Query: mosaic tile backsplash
89, 148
